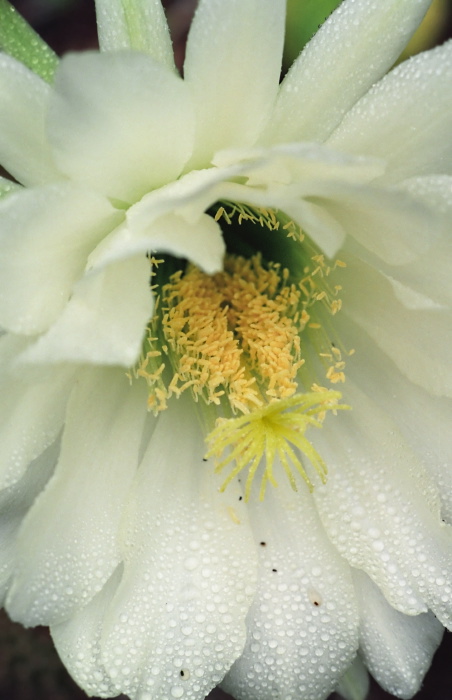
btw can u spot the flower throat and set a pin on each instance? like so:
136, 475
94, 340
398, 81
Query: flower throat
234, 340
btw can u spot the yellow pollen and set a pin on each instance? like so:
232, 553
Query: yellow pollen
273, 432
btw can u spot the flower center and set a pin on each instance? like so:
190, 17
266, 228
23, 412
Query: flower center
243, 342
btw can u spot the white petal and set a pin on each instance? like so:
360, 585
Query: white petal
78, 642
406, 118
46, 235
15, 502
352, 50
396, 648
68, 547
416, 338
200, 242
232, 67
381, 510
32, 410
424, 420
354, 684
24, 149
139, 25
303, 624
177, 621
121, 122
105, 320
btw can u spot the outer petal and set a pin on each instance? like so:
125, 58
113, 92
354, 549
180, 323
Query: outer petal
32, 410
381, 510
232, 67
177, 620
121, 122
424, 420
104, 321
46, 235
15, 502
24, 149
75, 521
406, 118
403, 330
350, 52
139, 25
396, 648
303, 624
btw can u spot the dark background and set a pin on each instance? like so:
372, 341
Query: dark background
29, 666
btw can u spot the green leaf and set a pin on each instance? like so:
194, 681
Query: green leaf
21, 42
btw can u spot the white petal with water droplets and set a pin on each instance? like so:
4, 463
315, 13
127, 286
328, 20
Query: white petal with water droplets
406, 118
15, 502
24, 149
232, 68
352, 50
303, 624
46, 235
76, 519
177, 620
120, 122
403, 332
104, 321
381, 508
139, 25
32, 410
396, 648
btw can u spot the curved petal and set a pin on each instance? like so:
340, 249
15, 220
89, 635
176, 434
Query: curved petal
78, 642
139, 25
396, 648
15, 502
24, 149
32, 410
303, 624
104, 321
46, 235
351, 51
200, 242
67, 547
177, 620
405, 332
381, 510
232, 68
120, 122
406, 118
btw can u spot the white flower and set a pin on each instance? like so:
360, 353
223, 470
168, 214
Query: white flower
159, 575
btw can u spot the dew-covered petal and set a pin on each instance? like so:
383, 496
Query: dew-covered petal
104, 321
232, 68
32, 410
67, 547
303, 624
396, 648
46, 235
401, 324
200, 242
78, 642
177, 621
139, 25
24, 149
120, 122
351, 51
406, 118
423, 420
354, 684
381, 509
15, 501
